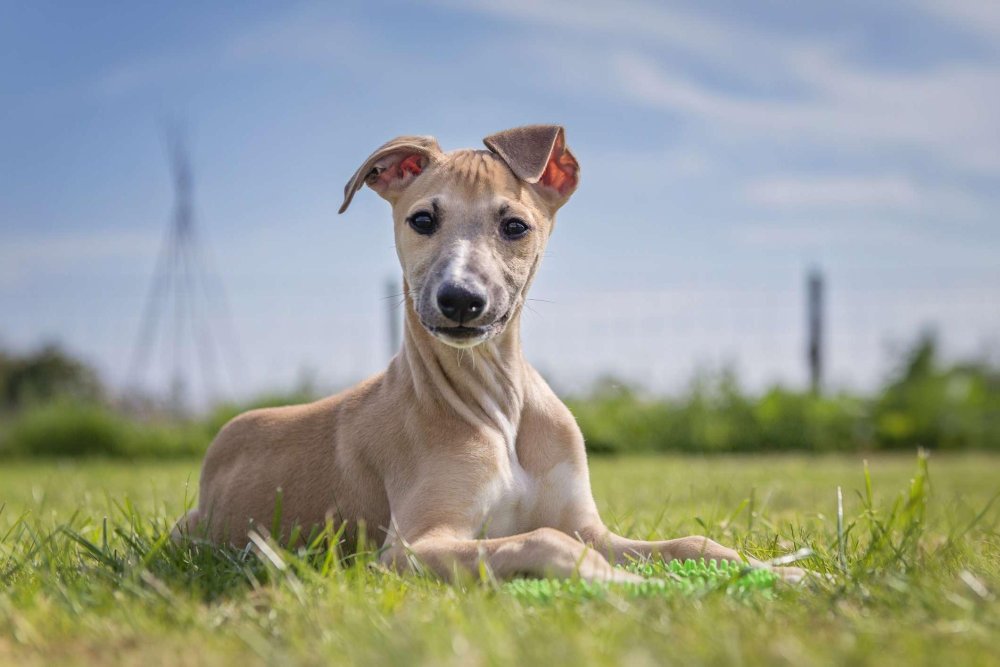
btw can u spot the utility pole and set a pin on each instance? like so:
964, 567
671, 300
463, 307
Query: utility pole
814, 290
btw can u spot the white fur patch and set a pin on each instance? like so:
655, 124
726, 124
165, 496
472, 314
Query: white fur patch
566, 484
509, 504
459, 261
504, 505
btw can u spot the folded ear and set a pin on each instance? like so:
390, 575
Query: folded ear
537, 154
392, 167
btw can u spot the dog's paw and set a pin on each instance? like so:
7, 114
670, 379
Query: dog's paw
791, 575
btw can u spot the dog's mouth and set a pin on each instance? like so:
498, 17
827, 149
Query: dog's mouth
468, 336
463, 336
461, 332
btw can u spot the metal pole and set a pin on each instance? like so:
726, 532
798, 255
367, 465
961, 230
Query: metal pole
815, 315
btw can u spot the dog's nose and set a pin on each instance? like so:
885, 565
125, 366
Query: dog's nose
460, 304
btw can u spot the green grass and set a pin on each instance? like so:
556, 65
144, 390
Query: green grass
86, 575
691, 577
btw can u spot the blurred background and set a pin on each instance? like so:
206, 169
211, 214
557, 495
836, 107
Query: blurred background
786, 233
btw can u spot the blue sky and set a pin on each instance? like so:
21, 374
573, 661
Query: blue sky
726, 147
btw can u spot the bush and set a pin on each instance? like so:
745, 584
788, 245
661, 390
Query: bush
924, 404
714, 415
69, 428
45, 375
616, 419
791, 420
78, 429
946, 408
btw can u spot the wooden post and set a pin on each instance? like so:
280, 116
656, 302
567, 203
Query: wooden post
815, 324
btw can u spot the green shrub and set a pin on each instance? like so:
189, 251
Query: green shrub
616, 419
934, 406
64, 430
789, 420
924, 404
80, 429
45, 375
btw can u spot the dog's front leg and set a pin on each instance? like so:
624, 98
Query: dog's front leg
544, 552
622, 549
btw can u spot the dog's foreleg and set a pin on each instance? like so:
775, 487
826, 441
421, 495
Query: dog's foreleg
622, 549
545, 552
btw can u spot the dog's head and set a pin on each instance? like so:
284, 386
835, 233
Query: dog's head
471, 225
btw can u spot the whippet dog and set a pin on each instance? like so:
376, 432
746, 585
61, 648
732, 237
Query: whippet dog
459, 454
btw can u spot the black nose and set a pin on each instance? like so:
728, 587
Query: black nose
460, 304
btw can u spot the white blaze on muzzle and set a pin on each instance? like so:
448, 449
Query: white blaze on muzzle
456, 271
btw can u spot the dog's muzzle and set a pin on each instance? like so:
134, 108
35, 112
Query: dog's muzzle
460, 304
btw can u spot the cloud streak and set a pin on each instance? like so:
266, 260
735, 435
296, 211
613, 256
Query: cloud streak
827, 97
845, 108
22, 259
873, 193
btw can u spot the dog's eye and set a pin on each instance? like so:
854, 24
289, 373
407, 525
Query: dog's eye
423, 222
514, 228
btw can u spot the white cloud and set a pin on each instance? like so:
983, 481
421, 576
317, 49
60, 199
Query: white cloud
627, 19
304, 36
952, 113
794, 193
949, 111
133, 74
977, 16
632, 24
27, 257
869, 193
820, 234
853, 240
674, 162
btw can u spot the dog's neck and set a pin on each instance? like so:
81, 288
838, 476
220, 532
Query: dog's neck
484, 385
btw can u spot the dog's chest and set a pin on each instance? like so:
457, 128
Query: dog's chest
516, 500
506, 502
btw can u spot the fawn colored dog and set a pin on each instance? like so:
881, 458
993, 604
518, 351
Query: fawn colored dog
459, 453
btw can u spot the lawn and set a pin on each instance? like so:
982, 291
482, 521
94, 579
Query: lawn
86, 576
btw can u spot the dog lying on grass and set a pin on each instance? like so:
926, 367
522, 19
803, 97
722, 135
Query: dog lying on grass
459, 452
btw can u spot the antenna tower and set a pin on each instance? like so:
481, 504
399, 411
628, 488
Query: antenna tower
183, 303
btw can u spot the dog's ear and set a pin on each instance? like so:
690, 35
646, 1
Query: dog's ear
392, 167
537, 154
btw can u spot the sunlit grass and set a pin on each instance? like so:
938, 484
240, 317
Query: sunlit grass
87, 575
